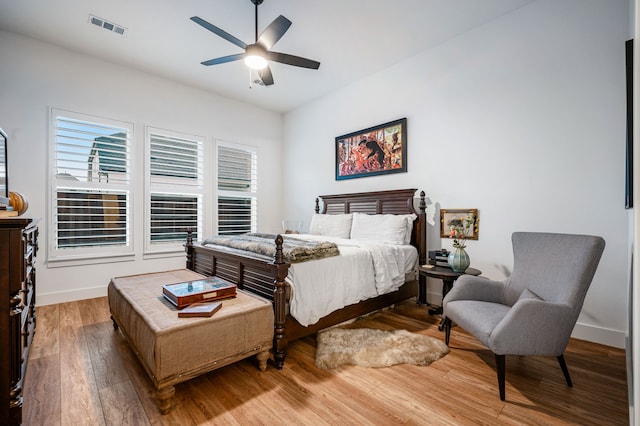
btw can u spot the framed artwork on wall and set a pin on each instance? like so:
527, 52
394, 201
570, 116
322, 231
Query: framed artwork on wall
377, 150
465, 220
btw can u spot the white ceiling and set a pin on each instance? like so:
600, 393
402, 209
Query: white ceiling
350, 38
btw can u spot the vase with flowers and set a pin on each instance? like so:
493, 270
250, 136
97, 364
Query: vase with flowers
458, 258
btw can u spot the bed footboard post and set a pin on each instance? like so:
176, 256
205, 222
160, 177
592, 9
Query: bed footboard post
188, 248
279, 306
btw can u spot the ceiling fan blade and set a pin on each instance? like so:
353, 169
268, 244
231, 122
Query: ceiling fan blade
274, 32
296, 61
220, 32
266, 76
224, 59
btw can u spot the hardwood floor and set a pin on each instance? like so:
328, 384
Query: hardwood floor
82, 372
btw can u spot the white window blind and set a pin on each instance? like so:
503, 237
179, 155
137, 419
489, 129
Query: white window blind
90, 198
90, 218
237, 189
175, 161
175, 187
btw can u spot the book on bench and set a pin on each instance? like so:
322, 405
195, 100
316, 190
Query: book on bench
190, 292
203, 309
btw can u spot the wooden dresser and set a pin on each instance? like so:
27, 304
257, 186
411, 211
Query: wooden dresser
18, 247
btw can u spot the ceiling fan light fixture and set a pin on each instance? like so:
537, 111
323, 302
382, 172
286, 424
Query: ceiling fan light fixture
255, 62
254, 57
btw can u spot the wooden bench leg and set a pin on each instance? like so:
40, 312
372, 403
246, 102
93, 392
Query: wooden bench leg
165, 396
262, 360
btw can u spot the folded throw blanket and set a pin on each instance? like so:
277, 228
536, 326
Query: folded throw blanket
294, 250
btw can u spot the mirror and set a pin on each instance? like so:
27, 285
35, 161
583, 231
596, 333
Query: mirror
4, 188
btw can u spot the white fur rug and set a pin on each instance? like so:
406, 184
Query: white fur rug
368, 347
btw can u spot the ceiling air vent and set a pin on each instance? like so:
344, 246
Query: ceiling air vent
106, 25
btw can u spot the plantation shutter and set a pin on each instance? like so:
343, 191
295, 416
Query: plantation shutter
91, 191
237, 186
176, 187
175, 158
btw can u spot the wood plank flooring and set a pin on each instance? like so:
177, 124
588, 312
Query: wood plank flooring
82, 372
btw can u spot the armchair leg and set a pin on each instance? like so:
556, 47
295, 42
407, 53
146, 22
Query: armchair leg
565, 371
447, 330
500, 369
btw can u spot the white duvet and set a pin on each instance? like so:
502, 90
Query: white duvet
363, 270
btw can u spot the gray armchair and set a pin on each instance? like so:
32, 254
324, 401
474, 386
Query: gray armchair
532, 312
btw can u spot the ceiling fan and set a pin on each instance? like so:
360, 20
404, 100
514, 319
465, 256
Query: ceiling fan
257, 54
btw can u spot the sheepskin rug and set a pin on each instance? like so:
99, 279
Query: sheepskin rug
368, 347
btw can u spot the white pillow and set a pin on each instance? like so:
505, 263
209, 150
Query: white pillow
383, 228
331, 225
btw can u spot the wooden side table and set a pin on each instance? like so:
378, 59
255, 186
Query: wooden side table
448, 276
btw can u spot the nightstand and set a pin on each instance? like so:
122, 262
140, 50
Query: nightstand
448, 276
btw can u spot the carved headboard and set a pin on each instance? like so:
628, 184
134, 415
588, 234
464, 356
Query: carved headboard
399, 201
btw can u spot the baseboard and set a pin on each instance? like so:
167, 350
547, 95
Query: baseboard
590, 333
434, 298
70, 296
604, 336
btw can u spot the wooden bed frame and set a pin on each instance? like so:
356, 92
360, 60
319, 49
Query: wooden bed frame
266, 278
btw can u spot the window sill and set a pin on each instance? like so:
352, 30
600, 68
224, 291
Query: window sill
160, 254
82, 261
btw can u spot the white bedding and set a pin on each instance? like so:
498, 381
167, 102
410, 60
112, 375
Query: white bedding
363, 270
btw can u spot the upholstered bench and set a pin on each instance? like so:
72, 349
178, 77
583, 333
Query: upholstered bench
173, 350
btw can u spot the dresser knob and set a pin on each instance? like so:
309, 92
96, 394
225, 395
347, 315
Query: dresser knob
15, 300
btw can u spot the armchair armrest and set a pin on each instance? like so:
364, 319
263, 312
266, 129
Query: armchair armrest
469, 287
534, 327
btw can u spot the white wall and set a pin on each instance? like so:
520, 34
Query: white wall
522, 118
35, 76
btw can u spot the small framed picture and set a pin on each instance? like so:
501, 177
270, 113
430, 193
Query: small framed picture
461, 220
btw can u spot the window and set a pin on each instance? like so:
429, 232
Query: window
93, 177
174, 188
237, 189
91, 190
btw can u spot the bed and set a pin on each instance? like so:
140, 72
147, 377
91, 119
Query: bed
267, 276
